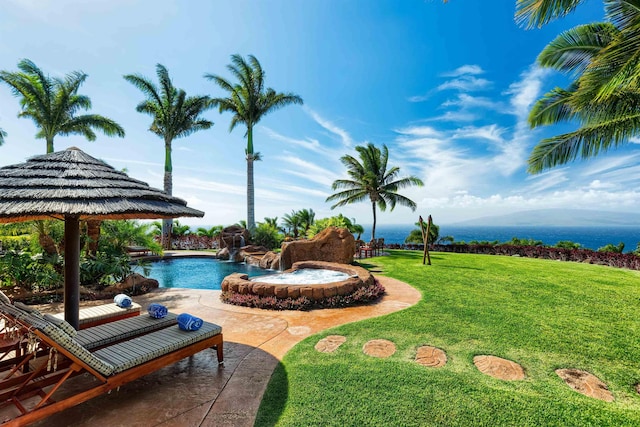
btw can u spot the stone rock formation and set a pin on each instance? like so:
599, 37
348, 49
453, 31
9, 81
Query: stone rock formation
332, 245
136, 280
268, 260
223, 254
234, 237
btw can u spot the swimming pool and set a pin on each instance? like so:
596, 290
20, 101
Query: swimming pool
198, 273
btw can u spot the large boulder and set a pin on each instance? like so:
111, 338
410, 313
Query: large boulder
134, 283
234, 237
268, 260
332, 245
223, 254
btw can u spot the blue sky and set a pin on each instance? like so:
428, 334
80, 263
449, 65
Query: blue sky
447, 87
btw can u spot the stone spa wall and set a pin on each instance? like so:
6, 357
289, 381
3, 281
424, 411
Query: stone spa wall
360, 277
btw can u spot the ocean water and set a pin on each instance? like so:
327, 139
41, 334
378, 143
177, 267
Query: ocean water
588, 237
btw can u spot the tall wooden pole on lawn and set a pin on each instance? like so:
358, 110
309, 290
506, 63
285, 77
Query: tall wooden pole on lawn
425, 239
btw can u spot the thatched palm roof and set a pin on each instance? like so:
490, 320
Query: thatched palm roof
71, 182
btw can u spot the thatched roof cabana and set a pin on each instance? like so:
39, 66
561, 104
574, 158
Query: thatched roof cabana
71, 185
71, 182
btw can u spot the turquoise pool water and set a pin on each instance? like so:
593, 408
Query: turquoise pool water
198, 273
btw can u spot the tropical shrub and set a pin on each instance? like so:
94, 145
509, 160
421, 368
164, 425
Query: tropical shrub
334, 221
30, 273
612, 248
15, 243
266, 235
567, 244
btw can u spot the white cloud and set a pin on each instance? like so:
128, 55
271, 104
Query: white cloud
596, 184
454, 116
465, 69
490, 132
527, 90
307, 144
465, 84
346, 139
418, 98
465, 101
308, 170
420, 131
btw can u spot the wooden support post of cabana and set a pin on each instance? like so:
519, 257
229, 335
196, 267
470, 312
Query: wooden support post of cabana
72, 270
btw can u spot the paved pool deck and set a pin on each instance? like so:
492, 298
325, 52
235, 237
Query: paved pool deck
195, 391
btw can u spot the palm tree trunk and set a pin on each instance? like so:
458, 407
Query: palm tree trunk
373, 229
49, 145
251, 223
93, 233
168, 188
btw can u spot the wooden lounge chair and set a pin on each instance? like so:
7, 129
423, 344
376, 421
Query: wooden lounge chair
106, 356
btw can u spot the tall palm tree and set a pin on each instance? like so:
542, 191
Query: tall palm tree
607, 118
371, 179
174, 116
249, 101
52, 104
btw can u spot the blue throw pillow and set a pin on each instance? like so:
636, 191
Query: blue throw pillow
122, 300
187, 322
157, 311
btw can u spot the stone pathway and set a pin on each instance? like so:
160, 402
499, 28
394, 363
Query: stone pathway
497, 367
585, 383
379, 348
432, 357
330, 343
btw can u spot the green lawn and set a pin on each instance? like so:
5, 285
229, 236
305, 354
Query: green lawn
542, 314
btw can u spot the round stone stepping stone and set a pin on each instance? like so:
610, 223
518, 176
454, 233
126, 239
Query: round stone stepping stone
499, 368
638, 388
330, 344
432, 357
379, 348
585, 383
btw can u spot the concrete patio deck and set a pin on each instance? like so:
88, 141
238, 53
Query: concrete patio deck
195, 391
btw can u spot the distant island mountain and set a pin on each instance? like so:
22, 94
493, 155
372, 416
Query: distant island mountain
557, 217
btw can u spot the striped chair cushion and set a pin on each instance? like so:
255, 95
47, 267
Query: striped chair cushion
4, 299
71, 345
111, 332
101, 312
137, 351
62, 324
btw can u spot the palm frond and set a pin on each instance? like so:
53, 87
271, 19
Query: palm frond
536, 13
573, 50
554, 107
586, 142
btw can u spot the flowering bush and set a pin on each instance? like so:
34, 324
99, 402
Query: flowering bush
362, 295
